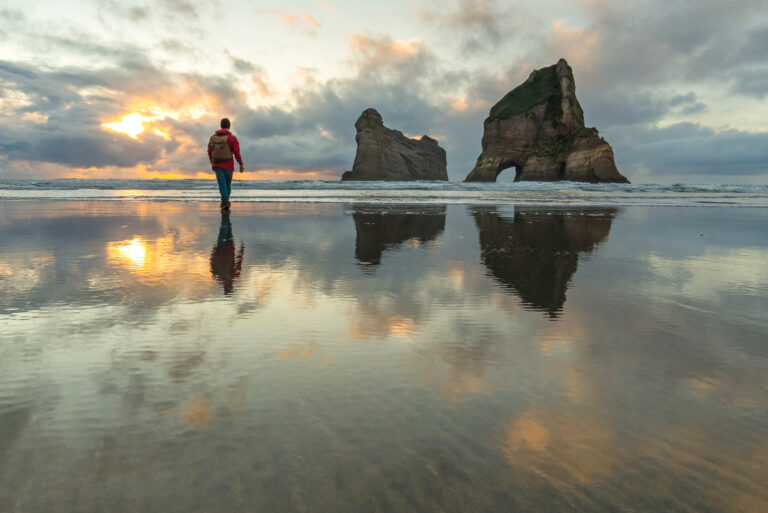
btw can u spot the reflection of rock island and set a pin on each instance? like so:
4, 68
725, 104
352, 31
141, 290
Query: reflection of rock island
536, 252
382, 227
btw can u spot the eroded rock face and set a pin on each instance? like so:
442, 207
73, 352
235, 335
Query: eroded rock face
538, 128
385, 154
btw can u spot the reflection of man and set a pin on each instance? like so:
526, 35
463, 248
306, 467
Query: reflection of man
225, 265
222, 147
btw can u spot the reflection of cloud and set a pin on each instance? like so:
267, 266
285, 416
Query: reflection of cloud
368, 323
563, 448
24, 273
303, 351
526, 433
462, 385
726, 272
197, 412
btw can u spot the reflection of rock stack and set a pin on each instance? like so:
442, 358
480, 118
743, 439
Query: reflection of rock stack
536, 252
379, 228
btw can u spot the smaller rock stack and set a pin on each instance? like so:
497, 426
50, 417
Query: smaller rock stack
386, 154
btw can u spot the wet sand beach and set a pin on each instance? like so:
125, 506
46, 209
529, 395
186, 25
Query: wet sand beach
348, 357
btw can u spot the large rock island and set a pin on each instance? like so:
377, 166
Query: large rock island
386, 154
538, 128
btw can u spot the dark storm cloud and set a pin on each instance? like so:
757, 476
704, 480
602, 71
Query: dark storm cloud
85, 149
618, 108
693, 150
180, 8
752, 83
243, 66
141, 13
483, 24
667, 41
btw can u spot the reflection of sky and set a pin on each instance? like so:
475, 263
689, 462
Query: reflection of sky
117, 339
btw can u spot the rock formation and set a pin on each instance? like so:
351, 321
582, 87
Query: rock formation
380, 228
385, 154
538, 128
536, 252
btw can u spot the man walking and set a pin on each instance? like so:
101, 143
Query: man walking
222, 147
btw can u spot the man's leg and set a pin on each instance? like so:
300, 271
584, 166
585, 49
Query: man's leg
221, 179
229, 183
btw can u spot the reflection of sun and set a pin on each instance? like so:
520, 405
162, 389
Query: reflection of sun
133, 252
160, 260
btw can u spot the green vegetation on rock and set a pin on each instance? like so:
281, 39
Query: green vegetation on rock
544, 88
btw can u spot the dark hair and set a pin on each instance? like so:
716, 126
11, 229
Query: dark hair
225, 123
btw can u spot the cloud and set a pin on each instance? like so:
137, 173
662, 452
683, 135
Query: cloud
636, 73
302, 21
56, 115
479, 25
180, 8
243, 66
617, 108
692, 151
753, 83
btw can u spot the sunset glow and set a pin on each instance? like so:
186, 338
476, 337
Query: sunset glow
144, 95
131, 125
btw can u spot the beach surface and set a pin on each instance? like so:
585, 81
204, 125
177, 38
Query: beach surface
353, 356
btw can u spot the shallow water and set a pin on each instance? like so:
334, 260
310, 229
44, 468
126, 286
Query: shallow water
155, 356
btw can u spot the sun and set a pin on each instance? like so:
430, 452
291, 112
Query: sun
131, 125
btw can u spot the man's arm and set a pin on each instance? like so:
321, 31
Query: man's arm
236, 152
210, 151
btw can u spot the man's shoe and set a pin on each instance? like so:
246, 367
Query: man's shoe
225, 205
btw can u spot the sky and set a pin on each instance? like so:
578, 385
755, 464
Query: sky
124, 89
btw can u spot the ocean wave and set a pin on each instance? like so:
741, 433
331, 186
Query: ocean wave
552, 193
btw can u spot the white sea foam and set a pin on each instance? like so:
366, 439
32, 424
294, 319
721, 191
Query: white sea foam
522, 193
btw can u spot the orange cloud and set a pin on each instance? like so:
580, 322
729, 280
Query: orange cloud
329, 7
579, 46
376, 51
302, 20
290, 174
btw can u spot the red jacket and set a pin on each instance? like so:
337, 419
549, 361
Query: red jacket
234, 145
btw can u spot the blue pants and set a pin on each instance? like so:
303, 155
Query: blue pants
224, 179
